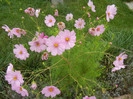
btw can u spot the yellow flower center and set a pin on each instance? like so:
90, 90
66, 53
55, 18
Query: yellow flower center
30, 9
15, 78
120, 59
56, 45
98, 29
37, 44
50, 20
17, 31
51, 89
44, 54
20, 52
20, 88
8, 30
60, 23
108, 13
67, 39
80, 24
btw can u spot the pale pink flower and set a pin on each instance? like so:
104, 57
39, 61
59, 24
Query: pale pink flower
80, 23
50, 20
89, 14
20, 52
121, 57
14, 78
38, 45
34, 85
92, 31
9, 68
37, 12
80, 42
22, 91
90, 4
56, 12
92, 97
97, 18
119, 62
18, 32
7, 29
61, 25
100, 29
50, 91
55, 45
68, 38
116, 85
69, 17
30, 11
110, 43
118, 67
45, 56
111, 12
83, 7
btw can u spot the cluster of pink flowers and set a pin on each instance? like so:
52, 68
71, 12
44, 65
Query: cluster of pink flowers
64, 40
15, 31
16, 80
119, 62
56, 45
32, 11
97, 31
92, 97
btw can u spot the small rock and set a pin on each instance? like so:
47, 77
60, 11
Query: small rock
130, 5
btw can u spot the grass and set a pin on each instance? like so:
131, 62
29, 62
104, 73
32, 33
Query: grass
120, 31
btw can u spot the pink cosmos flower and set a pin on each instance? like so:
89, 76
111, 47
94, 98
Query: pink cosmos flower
20, 52
80, 23
37, 12
14, 78
56, 12
55, 45
45, 56
68, 38
34, 85
7, 29
92, 97
83, 7
9, 68
61, 25
30, 11
50, 20
97, 18
100, 29
38, 45
18, 32
22, 91
116, 85
50, 91
111, 12
121, 57
119, 62
69, 17
92, 31
89, 15
90, 4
